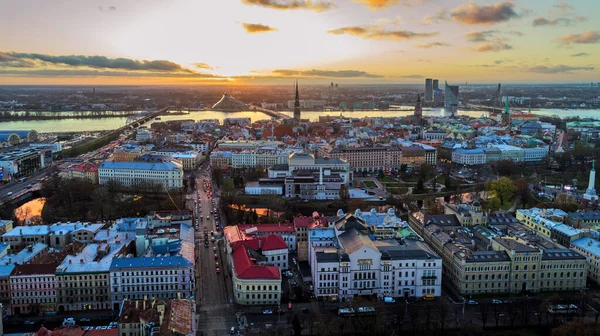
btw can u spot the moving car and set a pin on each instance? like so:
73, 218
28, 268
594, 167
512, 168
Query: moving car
267, 312
85, 319
29, 322
388, 299
216, 256
428, 297
218, 270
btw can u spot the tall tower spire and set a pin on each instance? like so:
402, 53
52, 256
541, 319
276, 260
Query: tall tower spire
297, 104
590, 193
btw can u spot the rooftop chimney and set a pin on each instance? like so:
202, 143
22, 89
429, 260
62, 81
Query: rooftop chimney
70, 261
81, 261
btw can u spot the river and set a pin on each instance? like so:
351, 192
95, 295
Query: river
102, 124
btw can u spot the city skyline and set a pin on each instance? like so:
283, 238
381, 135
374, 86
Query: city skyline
276, 42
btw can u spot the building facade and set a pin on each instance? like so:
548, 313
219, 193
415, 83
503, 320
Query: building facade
167, 174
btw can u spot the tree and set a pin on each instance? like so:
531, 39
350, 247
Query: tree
420, 189
344, 193
484, 311
577, 328
523, 190
296, 326
504, 188
506, 168
426, 170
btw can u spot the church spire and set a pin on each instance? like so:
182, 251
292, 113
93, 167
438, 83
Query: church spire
297, 104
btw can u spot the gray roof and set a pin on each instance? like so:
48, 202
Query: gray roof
352, 241
327, 256
140, 165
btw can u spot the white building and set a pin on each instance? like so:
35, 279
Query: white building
168, 174
535, 154
350, 264
170, 277
513, 153
469, 157
143, 135
56, 146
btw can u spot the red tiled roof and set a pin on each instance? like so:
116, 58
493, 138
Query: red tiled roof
246, 268
302, 221
264, 243
268, 227
106, 332
310, 222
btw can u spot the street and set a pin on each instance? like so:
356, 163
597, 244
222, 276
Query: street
214, 290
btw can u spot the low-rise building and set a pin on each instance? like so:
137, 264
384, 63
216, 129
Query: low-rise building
154, 317
168, 174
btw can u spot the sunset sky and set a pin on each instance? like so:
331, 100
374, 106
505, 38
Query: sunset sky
272, 41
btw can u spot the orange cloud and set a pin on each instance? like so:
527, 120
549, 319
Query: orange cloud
253, 28
431, 45
319, 6
472, 14
493, 46
376, 33
583, 38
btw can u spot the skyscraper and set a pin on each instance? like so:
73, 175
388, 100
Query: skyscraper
451, 98
436, 84
297, 105
428, 90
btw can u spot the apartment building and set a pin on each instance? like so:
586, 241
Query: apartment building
57, 235
33, 289
500, 256
31, 254
220, 159
365, 159
82, 280
584, 219
137, 278
590, 248
541, 220
168, 174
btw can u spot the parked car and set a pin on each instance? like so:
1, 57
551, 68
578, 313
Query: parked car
29, 322
232, 331
496, 301
85, 319
267, 312
472, 302
218, 270
428, 297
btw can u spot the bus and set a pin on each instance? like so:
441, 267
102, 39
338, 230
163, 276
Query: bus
366, 310
563, 309
346, 312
